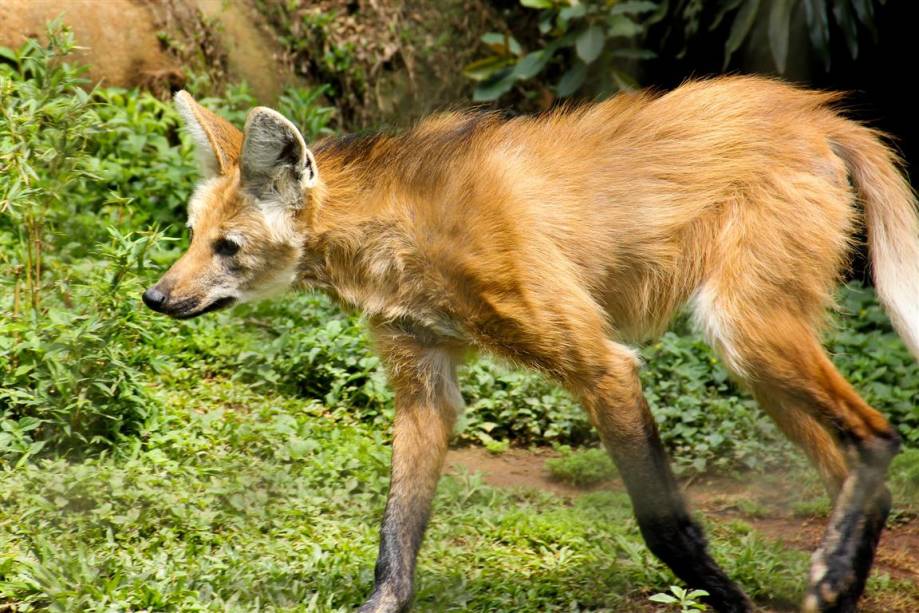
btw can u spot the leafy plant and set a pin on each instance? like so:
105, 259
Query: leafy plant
687, 600
848, 18
47, 119
69, 372
302, 106
307, 32
576, 38
123, 162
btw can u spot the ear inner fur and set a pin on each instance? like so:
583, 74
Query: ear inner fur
274, 154
224, 138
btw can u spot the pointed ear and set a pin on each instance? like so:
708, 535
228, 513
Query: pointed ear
217, 141
275, 158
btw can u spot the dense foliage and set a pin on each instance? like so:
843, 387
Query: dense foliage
575, 40
88, 176
591, 48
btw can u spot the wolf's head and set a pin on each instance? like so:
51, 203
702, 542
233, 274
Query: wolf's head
243, 215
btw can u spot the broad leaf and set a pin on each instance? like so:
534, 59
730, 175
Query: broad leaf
590, 43
575, 11
818, 26
572, 80
740, 28
865, 11
634, 54
485, 68
779, 25
633, 7
622, 26
726, 7
532, 64
495, 87
502, 43
663, 598
846, 20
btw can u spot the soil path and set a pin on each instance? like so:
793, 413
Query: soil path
762, 503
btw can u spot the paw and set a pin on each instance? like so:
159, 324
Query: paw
372, 606
384, 601
814, 604
831, 590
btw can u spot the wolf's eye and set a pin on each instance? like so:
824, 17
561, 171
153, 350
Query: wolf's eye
226, 247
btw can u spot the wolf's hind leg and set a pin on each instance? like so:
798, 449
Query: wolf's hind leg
806, 432
780, 355
427, 401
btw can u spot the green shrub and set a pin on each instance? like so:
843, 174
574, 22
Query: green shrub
704, 420
589, 47
876, 361
72, 375
302, 343
812, 507
83, 173
70, 369
851, 18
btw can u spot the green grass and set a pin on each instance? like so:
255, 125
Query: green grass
904, 474
814, 507
243, 500
239, 500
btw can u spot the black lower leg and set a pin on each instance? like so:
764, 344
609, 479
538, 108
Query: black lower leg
666, 525
841, 565
874, 522
401, 534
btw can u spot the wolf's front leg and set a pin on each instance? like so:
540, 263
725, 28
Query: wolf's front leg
427, 400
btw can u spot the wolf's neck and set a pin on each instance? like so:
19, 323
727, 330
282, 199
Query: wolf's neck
367, 174
348, 218
376, 193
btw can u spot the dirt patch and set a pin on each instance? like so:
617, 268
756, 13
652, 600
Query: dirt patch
765, 506
513, 468
763, 503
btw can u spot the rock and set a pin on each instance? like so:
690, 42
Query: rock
118, 39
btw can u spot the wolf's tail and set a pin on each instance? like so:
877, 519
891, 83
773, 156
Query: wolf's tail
892, 222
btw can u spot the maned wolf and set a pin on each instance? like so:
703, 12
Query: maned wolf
557, 241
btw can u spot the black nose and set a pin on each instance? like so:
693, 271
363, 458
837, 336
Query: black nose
154, 299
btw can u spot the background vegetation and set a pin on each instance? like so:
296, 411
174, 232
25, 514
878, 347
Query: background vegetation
590, 47
238, 461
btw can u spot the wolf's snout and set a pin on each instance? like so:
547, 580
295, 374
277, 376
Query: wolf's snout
155, 299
